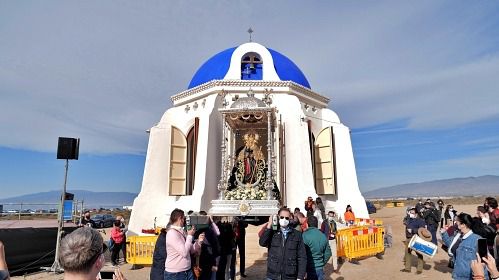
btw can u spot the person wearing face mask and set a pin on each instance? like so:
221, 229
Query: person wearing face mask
432, 218
124, 229
329, 229
287, 257
483, 214
317, 213
482, 227
86, 221
462, 247
179, 247
412, 224
449, 215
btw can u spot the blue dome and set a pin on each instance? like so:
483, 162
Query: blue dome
217, 66
214, 68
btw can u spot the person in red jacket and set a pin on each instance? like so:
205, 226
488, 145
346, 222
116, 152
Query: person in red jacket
118, 237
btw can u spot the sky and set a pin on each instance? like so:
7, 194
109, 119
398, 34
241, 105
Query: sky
416, 81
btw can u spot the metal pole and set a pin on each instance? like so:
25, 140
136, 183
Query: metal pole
222, 183
269, 156
20, 210
81, 212
56, 267
74, 211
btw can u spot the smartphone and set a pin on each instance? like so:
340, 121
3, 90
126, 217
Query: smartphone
482, 248
188, 225
274, 222
106, 274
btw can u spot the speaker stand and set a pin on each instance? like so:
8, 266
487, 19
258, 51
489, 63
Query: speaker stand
56, 267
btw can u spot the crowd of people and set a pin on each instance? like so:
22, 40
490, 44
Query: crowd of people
204, 251
459, 235
209, 252
299, 245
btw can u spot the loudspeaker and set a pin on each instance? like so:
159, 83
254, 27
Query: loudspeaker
69, 196
68, 148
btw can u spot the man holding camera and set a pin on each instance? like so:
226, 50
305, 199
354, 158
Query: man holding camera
287, 257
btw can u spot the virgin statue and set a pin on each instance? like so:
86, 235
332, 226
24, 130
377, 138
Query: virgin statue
250, 168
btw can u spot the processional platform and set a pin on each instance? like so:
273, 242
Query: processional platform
247, 184
221, 207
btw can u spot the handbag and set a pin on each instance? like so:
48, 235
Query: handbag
196, 269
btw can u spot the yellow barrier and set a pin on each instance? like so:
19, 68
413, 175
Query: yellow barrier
358, 242
140, 249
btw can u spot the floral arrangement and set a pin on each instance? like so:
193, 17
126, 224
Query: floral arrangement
240, 193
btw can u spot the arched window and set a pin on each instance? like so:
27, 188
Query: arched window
325, 165
251, 67
183, 160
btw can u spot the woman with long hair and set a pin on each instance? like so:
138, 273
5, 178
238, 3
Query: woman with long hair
349, 215
320, 206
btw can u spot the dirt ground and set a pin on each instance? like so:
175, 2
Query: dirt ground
370, 268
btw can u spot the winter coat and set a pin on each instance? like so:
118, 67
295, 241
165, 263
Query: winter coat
317, 247
287, 258
159, 258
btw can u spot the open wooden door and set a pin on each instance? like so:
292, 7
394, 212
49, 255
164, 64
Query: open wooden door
325, 166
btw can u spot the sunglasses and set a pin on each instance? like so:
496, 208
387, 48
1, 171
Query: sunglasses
282, 218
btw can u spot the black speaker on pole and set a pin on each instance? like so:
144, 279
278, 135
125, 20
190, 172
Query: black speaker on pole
69, 196
68, 148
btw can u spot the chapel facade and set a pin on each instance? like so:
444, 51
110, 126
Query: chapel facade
248, 135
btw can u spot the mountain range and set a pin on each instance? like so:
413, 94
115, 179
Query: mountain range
469, 186
91, 199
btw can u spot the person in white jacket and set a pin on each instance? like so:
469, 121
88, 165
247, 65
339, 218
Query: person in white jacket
317, 213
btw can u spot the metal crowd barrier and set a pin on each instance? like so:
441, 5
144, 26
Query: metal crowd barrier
360, 241
140, 249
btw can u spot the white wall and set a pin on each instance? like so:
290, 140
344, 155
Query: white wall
153, 199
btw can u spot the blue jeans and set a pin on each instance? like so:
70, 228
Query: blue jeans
317, 274
184, 275
433, 229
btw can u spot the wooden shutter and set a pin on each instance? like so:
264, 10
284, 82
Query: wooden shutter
178, 159
192, 144
325, 173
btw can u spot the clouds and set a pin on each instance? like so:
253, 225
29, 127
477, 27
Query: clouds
438, 99
104, 71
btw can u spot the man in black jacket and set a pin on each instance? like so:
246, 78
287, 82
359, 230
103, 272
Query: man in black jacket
431, 216
159, 257
287, 258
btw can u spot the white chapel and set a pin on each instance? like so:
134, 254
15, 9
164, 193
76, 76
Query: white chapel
247, 136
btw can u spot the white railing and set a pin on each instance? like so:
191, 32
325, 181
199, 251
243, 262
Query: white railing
22, 209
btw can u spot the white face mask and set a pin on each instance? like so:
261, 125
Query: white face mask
330, 219
413, 216
122, 220
486, 220
283, 222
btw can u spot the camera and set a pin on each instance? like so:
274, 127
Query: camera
274, 222
198, 221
